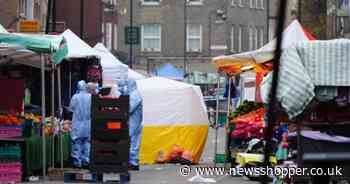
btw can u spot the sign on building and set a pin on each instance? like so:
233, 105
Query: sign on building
132, 35
29, 26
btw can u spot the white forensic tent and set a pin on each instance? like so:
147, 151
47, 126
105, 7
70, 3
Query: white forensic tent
292, 34
173, 113
112, 68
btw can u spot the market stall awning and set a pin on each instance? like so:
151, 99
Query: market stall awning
292, 34
76, 47
24, 48
2, 29
33, 42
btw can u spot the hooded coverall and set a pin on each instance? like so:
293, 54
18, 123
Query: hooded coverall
135, 118
81, 125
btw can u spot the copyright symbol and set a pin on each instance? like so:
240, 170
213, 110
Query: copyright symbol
185, 170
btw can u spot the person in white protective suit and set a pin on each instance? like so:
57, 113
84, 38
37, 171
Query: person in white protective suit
80, 105
135, 119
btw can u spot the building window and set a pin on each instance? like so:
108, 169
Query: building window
195, 2
239, 37
151, 38
27, 8
150, 2
240, 3
109, 36
233, 39
115, 38
259, 4
103, 34
251, 4
250, 37
262, 5
261, 37
194, 38
256, 40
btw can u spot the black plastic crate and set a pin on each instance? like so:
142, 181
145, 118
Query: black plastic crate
121, 168
109, 108
110, 152
109, 130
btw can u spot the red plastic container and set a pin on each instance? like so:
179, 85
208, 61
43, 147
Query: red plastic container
10, 132
10, 172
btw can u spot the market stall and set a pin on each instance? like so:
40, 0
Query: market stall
315, 100
32, 50
246, 124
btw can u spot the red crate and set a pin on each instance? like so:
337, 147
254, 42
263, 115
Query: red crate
10, 132
14, 167
10, 172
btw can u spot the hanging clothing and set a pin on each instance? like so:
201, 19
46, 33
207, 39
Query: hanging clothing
80, 105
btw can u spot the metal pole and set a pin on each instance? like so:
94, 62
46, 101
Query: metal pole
53, 112
48, 17
209, 36
131, 27
60, 112
53, 15
185, 36
70, 80
227, 119
43, 113
271, 115
216, 118
82, 19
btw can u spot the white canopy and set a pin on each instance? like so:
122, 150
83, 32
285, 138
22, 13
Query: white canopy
77, 48
2, 29
169, 102
292, 34
112, 68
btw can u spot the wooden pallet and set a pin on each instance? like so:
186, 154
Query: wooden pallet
80, 176
84, 176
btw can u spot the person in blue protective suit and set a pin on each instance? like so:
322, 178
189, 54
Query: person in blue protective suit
80, 105
135, 119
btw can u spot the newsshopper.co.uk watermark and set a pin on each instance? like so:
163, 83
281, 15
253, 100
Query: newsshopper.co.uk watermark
260, 171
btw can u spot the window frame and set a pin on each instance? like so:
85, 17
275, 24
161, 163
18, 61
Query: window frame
150, 3
143, 49
233, 48
262, 4
239, 39
251, 4
115, 36
199, 3
261, 39
256, 36
188, 37
250, 37
109, 34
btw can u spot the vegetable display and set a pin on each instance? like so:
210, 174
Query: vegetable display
246, 107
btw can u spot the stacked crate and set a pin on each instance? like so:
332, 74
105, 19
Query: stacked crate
10, 163
110, 135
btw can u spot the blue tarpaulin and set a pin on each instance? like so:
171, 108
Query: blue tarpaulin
170, 71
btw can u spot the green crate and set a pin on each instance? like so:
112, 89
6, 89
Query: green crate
220, 158
222, 119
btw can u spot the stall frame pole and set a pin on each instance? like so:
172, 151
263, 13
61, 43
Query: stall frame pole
60, 113
227, 119
216, 119
43, 113
53, 123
